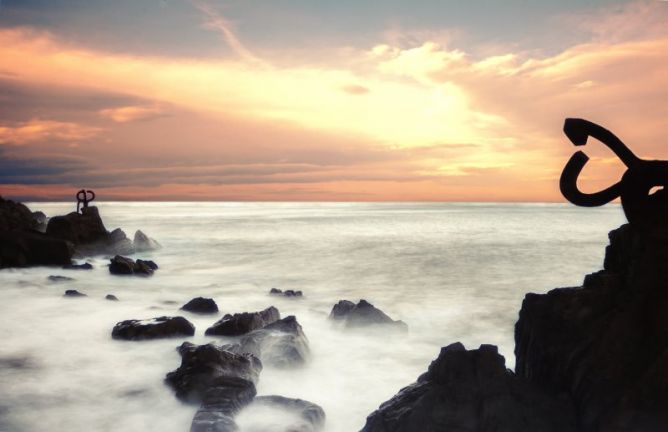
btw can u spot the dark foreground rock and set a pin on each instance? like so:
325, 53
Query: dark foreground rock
281, 344
223, 382
605, 343
311, 416
84, 266
120, 265
363, 314
242, 323
111, 297
201, 305
73, 293
154, 328
472, 391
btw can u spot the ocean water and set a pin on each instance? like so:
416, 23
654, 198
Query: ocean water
452, 272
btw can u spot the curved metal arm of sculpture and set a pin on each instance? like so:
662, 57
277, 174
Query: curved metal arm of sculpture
82, 198
569, 187
578, 130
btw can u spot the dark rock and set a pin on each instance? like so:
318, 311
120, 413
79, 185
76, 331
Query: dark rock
120, 265
275, 291
312, 416
161, 327
472, 391
286, 293
201, 305
605, 343
15, 216
41, 221
84, 266
242, 323
73, 293
363, 314
111, 297
32, 248
281, 344
143, 243
57, 278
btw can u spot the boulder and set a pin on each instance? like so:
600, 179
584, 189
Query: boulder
73, 293
143, 243
111, 297
606, 342
223, 382
311, 417
242, 323
363, 314
32, 248
41, 221
15, 216
154, 328
201, 305
281, 344
286, 293
120, 265
472, 391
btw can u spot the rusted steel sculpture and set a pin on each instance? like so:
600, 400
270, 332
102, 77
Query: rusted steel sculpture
641, 207
83, 198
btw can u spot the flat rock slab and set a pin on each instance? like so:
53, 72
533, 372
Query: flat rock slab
154, 328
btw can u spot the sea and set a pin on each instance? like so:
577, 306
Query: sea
451, 271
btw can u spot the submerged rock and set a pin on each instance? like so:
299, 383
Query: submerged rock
120, 265
74, 293
58, 278
363, 314
84, 266
286, 293
242, 323
605, 343
201, 305
472, 391
311, 416
281, 344
223, 382
154, 328
143, 243
111, 297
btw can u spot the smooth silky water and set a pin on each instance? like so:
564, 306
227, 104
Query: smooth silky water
452, 272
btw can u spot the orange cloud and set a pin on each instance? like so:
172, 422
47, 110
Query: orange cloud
40, 130
132, 113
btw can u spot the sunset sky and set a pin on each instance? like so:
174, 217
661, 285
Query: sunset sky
320, 100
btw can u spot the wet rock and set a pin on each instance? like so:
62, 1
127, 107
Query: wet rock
143, 243
311, 416
606, 342
84, 266
32, 248
41, 221
154, 328
111, 297
58, 278
73, 293
281, 344
201, 305
204, 367
120, 265
363, 314
242, 323
286, 293
472, 391
15, 216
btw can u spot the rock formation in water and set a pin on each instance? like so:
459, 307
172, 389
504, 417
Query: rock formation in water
592, 358
120, 265
311, 417
242, 323
281, 344
363, 314
286, 293
154, 328
201, 305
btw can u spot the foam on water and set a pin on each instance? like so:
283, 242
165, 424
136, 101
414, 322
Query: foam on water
452, 272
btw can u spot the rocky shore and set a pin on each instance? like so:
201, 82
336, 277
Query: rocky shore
592, 358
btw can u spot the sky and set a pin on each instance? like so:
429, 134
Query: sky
314, 100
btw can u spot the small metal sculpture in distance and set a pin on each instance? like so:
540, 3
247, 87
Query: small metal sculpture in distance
83, 198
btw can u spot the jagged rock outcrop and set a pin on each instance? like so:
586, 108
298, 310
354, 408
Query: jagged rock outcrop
281, 344
223, 382
242, 323
472, 391
201, 305
363, 314
22, 245
143, 243
154, 328
605, 343
120, 265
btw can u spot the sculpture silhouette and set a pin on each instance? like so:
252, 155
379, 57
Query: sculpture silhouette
641, 207
83, 198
